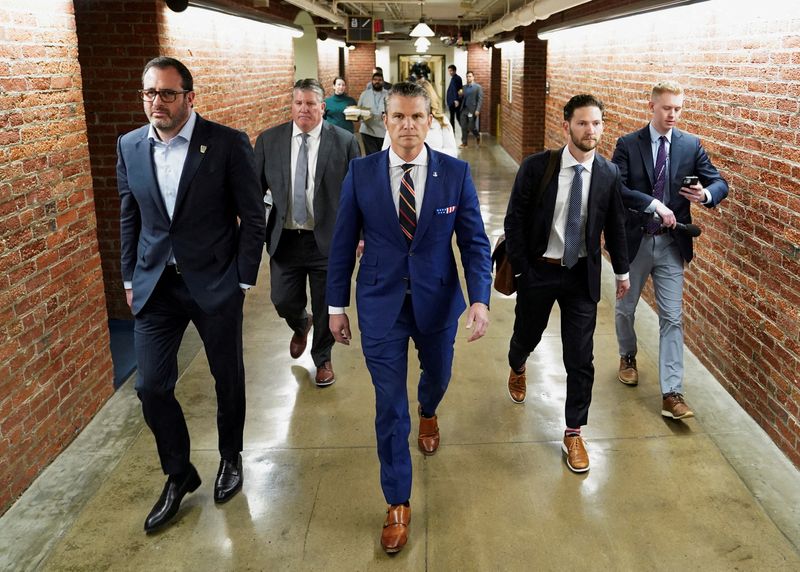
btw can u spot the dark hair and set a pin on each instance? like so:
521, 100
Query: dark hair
469, 72
337, 78
408, 89
164, 62
582, 100
310, 84
379, 69
451, 67
377, 74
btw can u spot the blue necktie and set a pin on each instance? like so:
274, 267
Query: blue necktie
572, 231
299, 212
661, 180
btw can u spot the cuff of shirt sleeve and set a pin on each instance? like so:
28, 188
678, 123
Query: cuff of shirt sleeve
128, 285
245, 286
708, 196
621, 277
333, 310
651, 208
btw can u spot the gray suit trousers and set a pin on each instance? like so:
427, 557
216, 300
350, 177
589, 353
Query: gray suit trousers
660, 258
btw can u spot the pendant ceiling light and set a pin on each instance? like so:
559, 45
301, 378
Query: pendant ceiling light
422, 30
422, 43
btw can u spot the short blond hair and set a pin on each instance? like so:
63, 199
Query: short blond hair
672, 87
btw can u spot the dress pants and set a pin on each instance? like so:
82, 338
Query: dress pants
387, 362
372, 144
158, 331
544, 285
659, 257
470, 125
455, 115
297, 260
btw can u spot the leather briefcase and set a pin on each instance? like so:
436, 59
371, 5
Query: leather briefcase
504, 281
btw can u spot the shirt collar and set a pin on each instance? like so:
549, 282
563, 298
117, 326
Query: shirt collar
421, 159
185, 133
654, 135
314, 133
568, 161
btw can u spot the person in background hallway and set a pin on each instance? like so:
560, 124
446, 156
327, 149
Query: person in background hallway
372, 130
191, 229
302, 163
335, 105
553, 244
653, 162
379, 70
408, 201
471, 101
440, 135
453, 96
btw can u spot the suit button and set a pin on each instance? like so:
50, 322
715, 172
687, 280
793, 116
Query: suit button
411, 254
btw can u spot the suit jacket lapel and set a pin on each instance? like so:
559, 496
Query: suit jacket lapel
597, 186
323, 154
646, 149
675, 149
143, 166
433, 191
548, 201
198, 145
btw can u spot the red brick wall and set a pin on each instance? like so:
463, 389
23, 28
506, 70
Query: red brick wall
327, 64
55, 364
742, 295
243, 73
360, 63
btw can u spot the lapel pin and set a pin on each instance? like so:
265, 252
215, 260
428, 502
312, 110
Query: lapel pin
203, 148
435, 174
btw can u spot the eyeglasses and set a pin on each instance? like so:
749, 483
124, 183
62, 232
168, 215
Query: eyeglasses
166, 95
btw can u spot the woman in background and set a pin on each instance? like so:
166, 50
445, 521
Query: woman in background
335, 104
441, 136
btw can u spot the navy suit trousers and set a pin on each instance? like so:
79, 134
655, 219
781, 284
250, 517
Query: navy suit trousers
158, 331
387, 361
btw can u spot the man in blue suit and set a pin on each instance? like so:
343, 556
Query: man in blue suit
192, 228
453, 96
407, 201
653, 162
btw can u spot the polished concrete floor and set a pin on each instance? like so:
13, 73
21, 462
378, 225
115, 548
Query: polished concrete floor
710, 493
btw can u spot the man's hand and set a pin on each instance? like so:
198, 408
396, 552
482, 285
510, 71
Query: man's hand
477, 113
129, 297
340, 328
455, 103
666, 214
479, 315
622, 288
696, 193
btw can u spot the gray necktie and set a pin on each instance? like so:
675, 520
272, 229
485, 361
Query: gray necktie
572, 232
299, 212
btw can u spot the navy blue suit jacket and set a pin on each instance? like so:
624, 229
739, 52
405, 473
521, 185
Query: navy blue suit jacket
389, 267
634, 157
452, 95
528, 225
218, 227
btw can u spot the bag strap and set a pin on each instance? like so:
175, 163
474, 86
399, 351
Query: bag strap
548, 174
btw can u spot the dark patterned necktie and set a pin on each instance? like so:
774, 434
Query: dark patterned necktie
661, 180
408, 204
572, 231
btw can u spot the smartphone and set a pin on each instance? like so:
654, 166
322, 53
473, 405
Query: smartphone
689, 181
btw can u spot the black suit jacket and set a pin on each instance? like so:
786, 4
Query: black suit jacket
273, 163
527, 225
634, 157
217, 229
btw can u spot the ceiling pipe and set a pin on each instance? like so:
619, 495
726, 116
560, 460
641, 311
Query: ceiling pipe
525, 16
320, 10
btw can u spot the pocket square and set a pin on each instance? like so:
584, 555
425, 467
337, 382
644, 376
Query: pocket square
446, 210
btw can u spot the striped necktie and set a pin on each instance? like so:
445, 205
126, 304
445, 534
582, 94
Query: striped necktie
408, 204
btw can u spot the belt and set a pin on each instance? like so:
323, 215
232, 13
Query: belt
554, 261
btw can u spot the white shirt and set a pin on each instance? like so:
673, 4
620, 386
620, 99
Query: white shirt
313, 153
654, 143
419, 174
555, 243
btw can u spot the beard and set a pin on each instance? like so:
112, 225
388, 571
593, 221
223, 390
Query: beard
585, 145
171, 121
377, 87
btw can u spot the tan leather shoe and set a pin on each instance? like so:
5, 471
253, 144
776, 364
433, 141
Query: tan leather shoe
297, 345
516, 386
395, 528
575, 451
628, 374
428, 439
324, 375
674, 407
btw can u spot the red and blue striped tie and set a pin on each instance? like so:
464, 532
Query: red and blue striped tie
408, 204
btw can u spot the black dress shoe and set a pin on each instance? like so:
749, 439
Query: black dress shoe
170, 499
229, 480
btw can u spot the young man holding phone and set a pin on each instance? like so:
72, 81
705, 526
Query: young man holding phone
664, 171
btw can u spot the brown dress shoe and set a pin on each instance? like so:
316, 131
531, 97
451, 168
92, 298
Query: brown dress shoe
628, 374
297, 345
575, 451
428, 439
324, 375
516, 386
395, 528
674, 407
